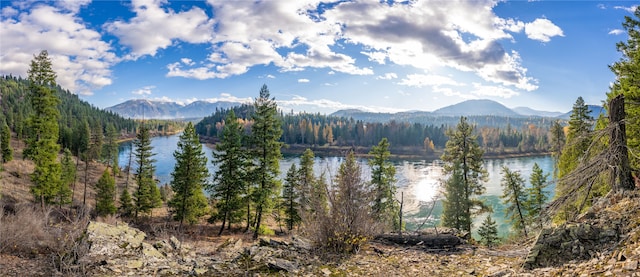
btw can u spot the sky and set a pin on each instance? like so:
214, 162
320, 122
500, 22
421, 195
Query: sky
322, 56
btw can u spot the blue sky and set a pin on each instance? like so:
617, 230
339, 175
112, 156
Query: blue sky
383, 56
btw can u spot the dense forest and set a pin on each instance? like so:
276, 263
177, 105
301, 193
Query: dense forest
525, 135
76, 115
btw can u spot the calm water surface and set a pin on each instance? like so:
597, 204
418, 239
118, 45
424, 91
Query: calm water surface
418, 181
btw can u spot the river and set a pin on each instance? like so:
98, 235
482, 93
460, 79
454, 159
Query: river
418, 181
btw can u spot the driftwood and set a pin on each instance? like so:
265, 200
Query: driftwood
440, 241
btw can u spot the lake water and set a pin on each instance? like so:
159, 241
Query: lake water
418, 180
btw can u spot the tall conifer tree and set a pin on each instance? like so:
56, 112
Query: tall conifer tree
229, 182
189, 177
291, 197
265, 134
536, 194
42, 143
144, 197
463, 162
514, 198
385, 206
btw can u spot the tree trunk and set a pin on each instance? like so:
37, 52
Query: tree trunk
620, 159
86, 176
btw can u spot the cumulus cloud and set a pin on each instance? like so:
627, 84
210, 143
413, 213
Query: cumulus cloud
143, 91
81, 59
303, 80
542, 29
155, 27
387, 76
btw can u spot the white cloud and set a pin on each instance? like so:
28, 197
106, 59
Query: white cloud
424, 80
226, 97
73, 6
271, 76
542, 29
630, 9
155, 27
299, 103
387, 76
303, 80
81, 59
493, 91
143, 91
616, 32
187, 61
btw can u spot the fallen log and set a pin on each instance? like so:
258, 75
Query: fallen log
427, 241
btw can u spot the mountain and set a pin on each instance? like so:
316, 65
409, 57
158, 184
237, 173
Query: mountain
531, 112
594, 111
476, 107
143, 108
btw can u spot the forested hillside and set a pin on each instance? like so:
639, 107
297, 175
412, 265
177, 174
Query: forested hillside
496, 134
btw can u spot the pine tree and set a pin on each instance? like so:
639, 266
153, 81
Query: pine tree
627, 83
383, 180
578, 140
290, 197
5, 142
311, 190
93, 152
514, 198
126, 208
110, 150
189, 176
265, 134
463, 162
105, 192
536, 194
488, 232
353, 220
67, 178
42, 144
229, 180
145, 197
557, 143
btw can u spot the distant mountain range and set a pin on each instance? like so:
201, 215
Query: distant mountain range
143, 108
140, 108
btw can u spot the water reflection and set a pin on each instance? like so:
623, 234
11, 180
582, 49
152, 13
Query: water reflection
418, 180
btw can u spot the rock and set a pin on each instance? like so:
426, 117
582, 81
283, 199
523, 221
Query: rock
325, 271
174, 242
281, 264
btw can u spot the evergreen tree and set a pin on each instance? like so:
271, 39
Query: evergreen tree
488, 232
290, 195
536, 194
189, 176
42, 143
110, 150
514, 198
383, 180
126, 208
105, 192
5, 142
229, 179
579, 138
463, 162
557, 143
627, 83
146, 197
310, 189
67, 178
265, 134
454, 203
353, 220
93, 152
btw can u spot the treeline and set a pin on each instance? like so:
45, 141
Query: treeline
323, 130
75, 115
